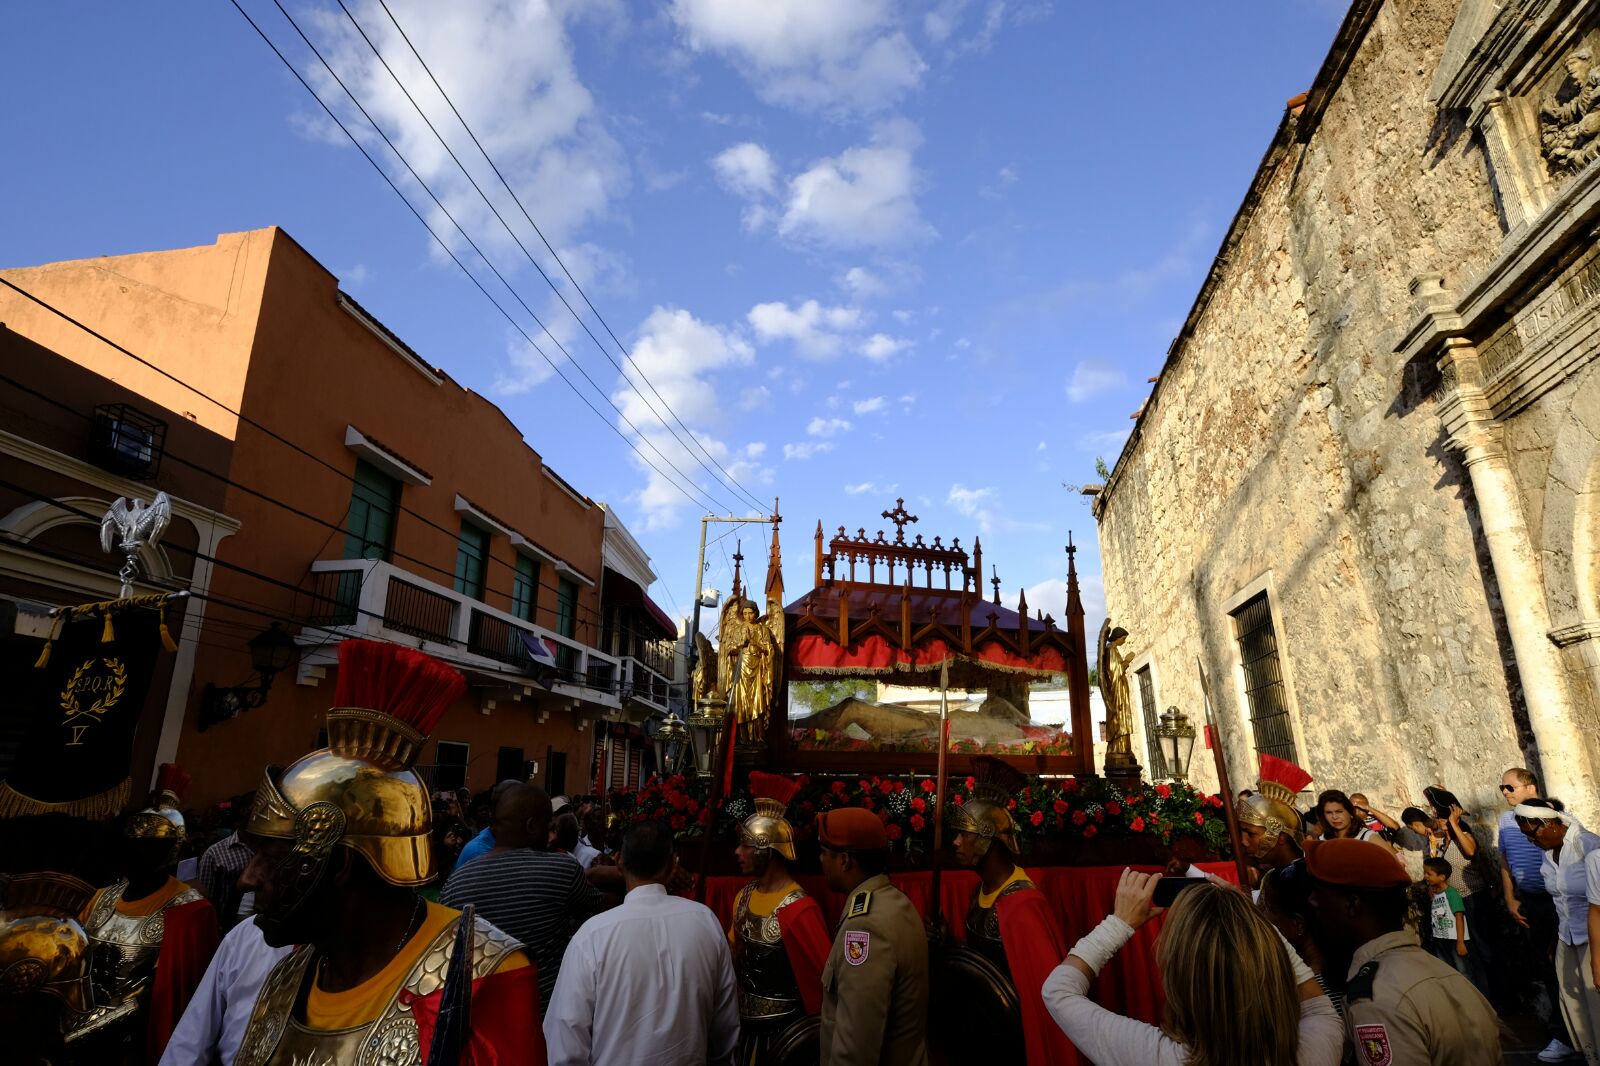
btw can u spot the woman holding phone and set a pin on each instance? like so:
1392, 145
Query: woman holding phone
1236, 993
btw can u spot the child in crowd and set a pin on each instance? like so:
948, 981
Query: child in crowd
1452, 940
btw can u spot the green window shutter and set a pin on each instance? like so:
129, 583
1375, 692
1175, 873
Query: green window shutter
374, 505
525, 588
567, 608
472, 557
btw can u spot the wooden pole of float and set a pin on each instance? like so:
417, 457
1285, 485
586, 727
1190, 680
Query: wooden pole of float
1224, 784
721, 770
938, 802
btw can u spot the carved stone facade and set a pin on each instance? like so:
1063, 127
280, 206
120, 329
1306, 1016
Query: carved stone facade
1364, 495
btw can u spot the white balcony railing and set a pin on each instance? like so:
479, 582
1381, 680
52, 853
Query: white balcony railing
378, 600
645, 684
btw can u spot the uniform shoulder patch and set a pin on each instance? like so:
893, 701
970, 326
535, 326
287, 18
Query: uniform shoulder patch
857, 945
859, 904
1373, 1043
1360, 986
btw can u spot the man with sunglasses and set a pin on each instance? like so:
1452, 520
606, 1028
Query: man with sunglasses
1522, 882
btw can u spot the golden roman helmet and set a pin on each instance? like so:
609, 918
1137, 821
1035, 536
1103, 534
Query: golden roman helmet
768, 828
1272, 807
986, 814
361, 791
162, 820
42, 946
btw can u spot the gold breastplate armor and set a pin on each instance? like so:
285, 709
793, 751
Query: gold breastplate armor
123, 953
275, 1036
767, 987
983, 926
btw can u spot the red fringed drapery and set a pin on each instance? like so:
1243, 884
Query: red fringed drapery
813, 656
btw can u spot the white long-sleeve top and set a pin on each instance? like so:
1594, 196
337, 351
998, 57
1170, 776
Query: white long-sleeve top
1109, 1039
649, 983
213, 1023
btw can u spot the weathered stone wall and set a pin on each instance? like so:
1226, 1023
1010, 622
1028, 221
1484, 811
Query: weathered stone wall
1287, 447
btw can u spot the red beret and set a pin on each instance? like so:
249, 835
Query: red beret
851, 829
1355, 864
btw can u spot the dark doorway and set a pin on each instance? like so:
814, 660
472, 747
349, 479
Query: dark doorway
510, 766
555, 772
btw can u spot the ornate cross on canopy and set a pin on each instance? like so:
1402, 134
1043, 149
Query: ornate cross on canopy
900, 516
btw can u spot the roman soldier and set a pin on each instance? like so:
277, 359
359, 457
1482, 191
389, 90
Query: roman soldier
342, 843
44, 964
1008, 922
1269, 823
150, 938
780, 940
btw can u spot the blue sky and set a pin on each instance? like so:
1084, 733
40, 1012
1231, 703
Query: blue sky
862, 249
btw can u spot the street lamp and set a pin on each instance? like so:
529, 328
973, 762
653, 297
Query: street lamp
1176, 736
271, 652
672, 741
704, 724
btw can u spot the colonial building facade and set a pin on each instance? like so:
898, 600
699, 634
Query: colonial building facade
1363, 498
353, 489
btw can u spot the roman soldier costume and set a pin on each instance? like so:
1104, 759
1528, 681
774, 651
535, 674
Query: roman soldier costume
1271, 808
361, 793
147, 953
1012, 929
779, 945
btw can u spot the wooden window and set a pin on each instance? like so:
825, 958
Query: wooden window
472, 558
374, 503
1152, 721
567, 608
1263, 678
525, 588
510, 765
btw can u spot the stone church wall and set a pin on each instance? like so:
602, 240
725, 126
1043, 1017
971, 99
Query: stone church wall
1286, 448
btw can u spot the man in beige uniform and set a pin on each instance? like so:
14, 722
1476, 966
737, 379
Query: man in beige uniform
875, 982
1405, 1007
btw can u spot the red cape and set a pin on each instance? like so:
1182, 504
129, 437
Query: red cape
805, 938
505, 1020
1034, 948
188, 940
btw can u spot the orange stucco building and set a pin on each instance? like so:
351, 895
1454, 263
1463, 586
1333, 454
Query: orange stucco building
373, 496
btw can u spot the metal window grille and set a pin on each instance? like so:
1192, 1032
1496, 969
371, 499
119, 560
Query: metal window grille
1147, 701
1263, 678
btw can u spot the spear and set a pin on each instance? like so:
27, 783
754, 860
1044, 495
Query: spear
1224, 785
938, 803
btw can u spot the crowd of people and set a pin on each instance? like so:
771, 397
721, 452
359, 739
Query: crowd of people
364, 920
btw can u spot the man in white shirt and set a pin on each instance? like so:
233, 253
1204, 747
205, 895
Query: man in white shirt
214, 1021
649, 983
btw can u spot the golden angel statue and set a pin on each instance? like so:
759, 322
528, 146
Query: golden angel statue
704, 683
755, 644
1115, 689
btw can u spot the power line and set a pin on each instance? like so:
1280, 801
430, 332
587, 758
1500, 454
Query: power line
726, 477
697, 501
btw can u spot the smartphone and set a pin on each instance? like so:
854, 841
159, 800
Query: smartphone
1167, 889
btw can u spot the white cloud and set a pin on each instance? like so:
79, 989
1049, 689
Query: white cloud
1091, 378
870, 405
827, 427
1110, 440
983, 505
681, 356
755, 449
881, 347
862, 283
1004, 178
815, 329
1042, 447
827, 55
860, 490
806, 449
753, 397
908, 400
746, 170
939, 22
863, 197
510, 71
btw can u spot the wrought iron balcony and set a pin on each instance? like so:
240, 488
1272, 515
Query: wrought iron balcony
380, 601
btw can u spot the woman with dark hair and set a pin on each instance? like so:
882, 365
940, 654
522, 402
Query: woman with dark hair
1339, 819
1237, 995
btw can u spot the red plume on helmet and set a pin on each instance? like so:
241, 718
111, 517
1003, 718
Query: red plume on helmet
773, 786
172, 781
1283, 772
400, 682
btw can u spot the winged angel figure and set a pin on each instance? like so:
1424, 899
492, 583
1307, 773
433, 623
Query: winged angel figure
755, 643
132, 526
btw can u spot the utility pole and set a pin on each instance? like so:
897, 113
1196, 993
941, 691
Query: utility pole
699, 578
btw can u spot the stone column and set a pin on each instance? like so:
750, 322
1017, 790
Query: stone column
1474, 432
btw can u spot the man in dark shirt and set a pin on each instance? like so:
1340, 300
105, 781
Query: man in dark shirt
535, 895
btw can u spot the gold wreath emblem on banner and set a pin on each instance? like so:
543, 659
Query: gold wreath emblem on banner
83, 685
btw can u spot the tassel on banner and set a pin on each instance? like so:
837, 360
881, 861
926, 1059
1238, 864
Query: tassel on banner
108, 635
166, 634
55, 631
